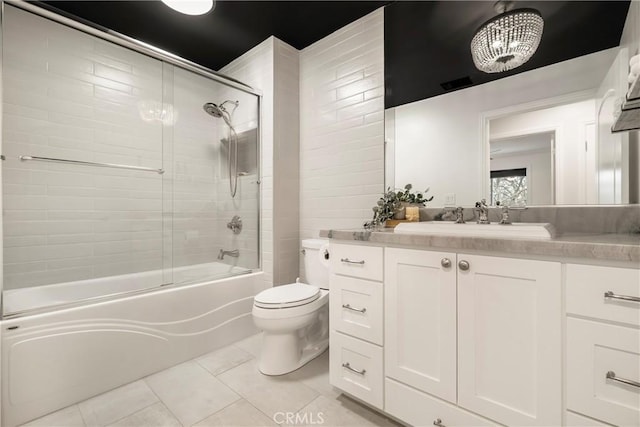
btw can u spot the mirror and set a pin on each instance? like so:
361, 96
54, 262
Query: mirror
541, 137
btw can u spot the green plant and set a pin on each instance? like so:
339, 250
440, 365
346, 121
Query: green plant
391, 202
407, 196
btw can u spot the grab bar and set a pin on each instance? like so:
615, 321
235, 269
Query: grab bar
102, 165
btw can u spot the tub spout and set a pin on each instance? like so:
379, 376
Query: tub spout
234, 253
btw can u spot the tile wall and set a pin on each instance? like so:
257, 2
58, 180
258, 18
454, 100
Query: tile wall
342, 126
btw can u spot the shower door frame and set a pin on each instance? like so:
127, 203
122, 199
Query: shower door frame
153, 52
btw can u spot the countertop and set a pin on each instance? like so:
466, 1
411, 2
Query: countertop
609, 247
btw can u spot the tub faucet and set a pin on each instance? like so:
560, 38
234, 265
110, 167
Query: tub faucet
234, 253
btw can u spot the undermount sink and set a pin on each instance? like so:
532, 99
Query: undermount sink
517, 230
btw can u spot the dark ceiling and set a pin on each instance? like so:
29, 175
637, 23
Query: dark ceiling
426, 42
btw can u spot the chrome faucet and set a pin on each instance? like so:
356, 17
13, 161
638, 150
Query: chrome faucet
504, 218
234, 253
483, 212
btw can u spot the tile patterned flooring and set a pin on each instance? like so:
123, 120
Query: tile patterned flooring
222, 388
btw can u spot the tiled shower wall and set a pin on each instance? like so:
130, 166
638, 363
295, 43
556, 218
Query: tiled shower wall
272, 67
70, 95
342, 126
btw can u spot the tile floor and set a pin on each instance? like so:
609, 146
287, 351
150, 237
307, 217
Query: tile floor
222, 388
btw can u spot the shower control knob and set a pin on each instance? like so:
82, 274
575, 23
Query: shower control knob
445, 262
463, 265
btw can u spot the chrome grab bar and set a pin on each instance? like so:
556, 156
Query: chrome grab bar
348, 366
83, 163
611, 295
348, 307
348, 261
612, 376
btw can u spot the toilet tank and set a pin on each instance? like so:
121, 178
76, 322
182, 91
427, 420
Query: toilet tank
316, 262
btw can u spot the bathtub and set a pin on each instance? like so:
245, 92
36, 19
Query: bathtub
56, 358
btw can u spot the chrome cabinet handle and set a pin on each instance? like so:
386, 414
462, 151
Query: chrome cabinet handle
445, 262
348, 366
612, 376
464, 265
611, 295
348, 261
438, 422
348, 307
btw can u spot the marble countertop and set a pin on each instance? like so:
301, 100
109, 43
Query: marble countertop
609, 247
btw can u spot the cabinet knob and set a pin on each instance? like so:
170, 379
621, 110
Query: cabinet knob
438, 422
445, 262
463, 265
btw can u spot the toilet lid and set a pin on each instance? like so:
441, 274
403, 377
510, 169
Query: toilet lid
284, 296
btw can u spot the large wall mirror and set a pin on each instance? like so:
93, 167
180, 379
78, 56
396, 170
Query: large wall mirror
541, 137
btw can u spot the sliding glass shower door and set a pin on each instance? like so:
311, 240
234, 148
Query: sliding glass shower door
115, 178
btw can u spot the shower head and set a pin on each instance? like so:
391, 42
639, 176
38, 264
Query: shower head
213, 109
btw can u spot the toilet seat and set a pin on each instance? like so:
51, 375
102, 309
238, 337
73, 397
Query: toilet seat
287, 296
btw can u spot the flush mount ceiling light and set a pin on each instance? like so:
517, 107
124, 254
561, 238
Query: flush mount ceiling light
508, 40
191, 7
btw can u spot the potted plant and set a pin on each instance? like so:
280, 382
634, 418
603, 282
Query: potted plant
392, 202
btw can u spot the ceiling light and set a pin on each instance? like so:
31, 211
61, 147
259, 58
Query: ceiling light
508, 40
191, 7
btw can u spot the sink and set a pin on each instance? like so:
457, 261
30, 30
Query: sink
517, 230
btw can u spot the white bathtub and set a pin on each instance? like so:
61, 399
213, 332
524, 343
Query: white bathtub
18, 301
57, 358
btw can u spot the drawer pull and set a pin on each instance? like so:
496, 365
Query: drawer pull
438, 422
348, 307
348, 366
611, 295
348, 261
612, 376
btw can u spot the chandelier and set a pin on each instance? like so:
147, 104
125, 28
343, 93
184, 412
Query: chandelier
508, 40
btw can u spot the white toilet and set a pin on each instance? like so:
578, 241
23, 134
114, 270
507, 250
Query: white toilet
295, 317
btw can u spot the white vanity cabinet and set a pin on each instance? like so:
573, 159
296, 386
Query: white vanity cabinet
510, 340
449, 338
506, 316
603, 343
356, 316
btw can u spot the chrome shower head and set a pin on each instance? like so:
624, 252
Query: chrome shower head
213, 109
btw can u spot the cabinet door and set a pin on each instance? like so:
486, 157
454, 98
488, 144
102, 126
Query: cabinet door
509, 339
420, 320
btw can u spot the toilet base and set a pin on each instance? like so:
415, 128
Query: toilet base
274, 360
284, 352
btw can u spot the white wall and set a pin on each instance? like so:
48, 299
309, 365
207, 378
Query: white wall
272, 67
342, 126
438, 142
569, 123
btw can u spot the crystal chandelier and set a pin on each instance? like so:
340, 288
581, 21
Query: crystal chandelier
508, 40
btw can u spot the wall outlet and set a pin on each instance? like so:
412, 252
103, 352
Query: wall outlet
450, 199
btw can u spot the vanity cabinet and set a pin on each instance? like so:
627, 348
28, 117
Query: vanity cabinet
356, 321
456, 339
506, 315
603, 343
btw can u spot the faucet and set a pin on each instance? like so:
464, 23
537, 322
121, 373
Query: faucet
234, 253
504, 219
483, 210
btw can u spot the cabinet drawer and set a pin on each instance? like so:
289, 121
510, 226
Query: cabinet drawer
356, 307
419, 409
586, 288
357, 261
593, 350
356, 368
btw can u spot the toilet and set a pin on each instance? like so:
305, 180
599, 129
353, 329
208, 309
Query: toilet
295, 317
